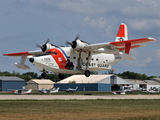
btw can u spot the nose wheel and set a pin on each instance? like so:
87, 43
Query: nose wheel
87, 73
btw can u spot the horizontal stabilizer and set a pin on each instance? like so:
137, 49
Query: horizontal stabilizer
132, 42
127, 45
132, 47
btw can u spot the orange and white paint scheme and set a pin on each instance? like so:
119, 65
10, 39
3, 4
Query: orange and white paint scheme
81, 57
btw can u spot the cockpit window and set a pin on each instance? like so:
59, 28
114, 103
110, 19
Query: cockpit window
55, 53
51, 53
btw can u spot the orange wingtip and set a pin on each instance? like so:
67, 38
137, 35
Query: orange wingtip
17, 54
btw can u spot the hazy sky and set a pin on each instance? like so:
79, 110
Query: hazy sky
23, 23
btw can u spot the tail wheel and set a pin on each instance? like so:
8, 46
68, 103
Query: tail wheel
87, 73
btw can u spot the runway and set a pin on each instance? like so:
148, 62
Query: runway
76, 97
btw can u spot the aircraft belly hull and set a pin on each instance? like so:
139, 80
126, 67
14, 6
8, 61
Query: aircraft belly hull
41, 67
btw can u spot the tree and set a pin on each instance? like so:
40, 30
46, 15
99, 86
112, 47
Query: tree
53, 77
28, 76
72, 82
132, 75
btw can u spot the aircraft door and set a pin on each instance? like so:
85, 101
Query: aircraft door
100, 59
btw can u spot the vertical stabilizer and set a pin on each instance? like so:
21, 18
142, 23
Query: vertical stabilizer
122, 34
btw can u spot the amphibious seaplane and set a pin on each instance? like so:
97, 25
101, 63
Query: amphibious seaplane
81, 57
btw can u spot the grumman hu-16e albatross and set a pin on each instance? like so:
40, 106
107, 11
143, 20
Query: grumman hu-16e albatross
81, 57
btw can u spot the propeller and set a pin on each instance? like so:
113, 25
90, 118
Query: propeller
74, 43
44, 46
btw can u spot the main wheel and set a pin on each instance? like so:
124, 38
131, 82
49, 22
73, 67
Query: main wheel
87, 73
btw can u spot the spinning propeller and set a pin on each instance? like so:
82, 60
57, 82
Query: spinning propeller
74, 43
44, 46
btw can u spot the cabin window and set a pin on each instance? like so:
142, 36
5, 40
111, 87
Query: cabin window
49, 53
106, 60
74, 57
86, 58
97, 59
92, 59
55, 53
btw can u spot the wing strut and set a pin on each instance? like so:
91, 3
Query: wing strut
22, 65
87, 72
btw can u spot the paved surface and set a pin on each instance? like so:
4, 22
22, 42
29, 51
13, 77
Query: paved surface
78, 97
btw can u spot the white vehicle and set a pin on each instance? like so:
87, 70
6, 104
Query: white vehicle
81, 57
71, 89
128, 90
119, 92
49, 91
19, 92
153, 91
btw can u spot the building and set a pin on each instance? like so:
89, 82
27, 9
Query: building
153, 83
145, 84
137, 83
11, 83
93, 83
36, 84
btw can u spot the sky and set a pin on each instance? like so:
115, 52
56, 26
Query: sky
24, 23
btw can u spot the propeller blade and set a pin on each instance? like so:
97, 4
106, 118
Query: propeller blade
77, 37
44, 46
47, 41
67, 42
37, 45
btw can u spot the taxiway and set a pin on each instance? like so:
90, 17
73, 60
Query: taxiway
77, 97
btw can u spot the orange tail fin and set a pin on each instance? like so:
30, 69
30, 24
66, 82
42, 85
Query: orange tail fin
122, 34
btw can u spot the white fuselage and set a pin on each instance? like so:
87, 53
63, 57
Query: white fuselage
55, 60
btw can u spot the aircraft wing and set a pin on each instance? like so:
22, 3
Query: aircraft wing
118, 46
27, 53
24, 55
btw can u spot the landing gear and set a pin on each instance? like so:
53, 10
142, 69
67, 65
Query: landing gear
87, 73
79, 62
43, 75
61, 76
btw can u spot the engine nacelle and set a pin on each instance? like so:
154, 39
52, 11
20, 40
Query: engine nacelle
78, 44
22, 66
47, 46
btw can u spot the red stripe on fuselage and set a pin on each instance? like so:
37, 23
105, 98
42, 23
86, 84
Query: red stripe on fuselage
59, 58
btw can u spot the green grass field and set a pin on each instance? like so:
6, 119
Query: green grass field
80, 110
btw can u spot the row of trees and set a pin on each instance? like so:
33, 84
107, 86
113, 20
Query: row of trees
54, 77
30, 75
132, 75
